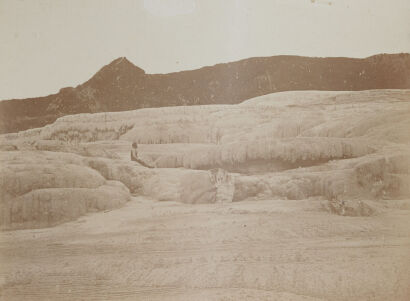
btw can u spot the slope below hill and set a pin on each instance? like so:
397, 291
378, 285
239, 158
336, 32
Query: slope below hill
121, 86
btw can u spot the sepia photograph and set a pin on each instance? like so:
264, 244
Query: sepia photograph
204, 150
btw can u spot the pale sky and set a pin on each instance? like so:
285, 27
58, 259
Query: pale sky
49, 44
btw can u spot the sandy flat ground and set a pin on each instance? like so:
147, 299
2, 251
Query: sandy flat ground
264, 250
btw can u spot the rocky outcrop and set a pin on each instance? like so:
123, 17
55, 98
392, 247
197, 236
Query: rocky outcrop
41, 189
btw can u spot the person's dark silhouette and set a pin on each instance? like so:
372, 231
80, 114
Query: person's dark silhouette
134, 156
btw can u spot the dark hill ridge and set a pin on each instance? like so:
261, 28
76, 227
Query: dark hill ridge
121, 85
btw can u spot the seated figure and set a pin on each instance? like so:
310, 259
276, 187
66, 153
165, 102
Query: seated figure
134, 156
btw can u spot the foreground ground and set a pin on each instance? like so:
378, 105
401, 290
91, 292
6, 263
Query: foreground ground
265, 250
